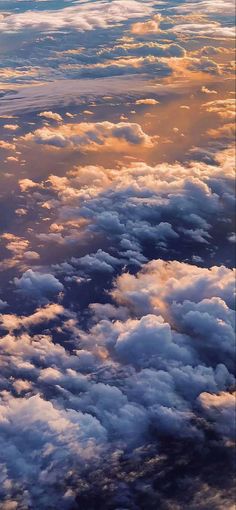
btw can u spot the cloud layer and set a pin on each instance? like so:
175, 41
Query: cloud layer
117, 231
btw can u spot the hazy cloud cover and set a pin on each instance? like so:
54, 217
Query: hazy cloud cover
117, 234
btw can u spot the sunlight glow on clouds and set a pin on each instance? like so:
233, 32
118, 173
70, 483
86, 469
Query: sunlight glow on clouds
82, 17
117, 229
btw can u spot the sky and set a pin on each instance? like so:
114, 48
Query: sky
117, 241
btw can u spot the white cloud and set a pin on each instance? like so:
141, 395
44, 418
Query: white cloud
51, 116
38, 285
90, 135
81, 16
225, 7
220, 409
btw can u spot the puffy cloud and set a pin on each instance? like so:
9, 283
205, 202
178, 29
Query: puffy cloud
207, 7
181, 281
12, 159
90, 136
26, 184
31, 255
116, 352
136, 371
147, 340
51, 430
221, 411
41, 315
51, 116
137, 204
37, 285
17, 246
227, 131
141, 49
3, 304
7, 146
148, 101
100, 261
205, 65
11, 127
198, 302
147, 27
204, 29
81, 17
232, 237
121, 60
205, 90
224, 108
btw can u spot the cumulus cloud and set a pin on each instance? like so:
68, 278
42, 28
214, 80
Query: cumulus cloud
50, 429
117, 290
37, 285
207, 7
144, 365
90, 135
169, 386
180, 280
41, 315
3, 304
224, 108
148, 101
205, 29
100, 261
136, 204
205, 90
81, 17
11, 127
51, 116
221, 411
198, 300
147, 27
7, 146
26, 184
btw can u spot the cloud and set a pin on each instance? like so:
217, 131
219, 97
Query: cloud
146, 340
81, 17
148, 64
51, 430
51, 115
147, 27
189, 298
226, 131
37, 285
205, 65
148, 101
90, 135
205, 90
207, 7
224, 108
117, 300
137, 370
221, 411
7, 146
74, 92
19, 248
13, 159
181, 281
205, 29
11, 127
31, 255
27, 184
3, 304
100, 261
200, 192
42, 315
